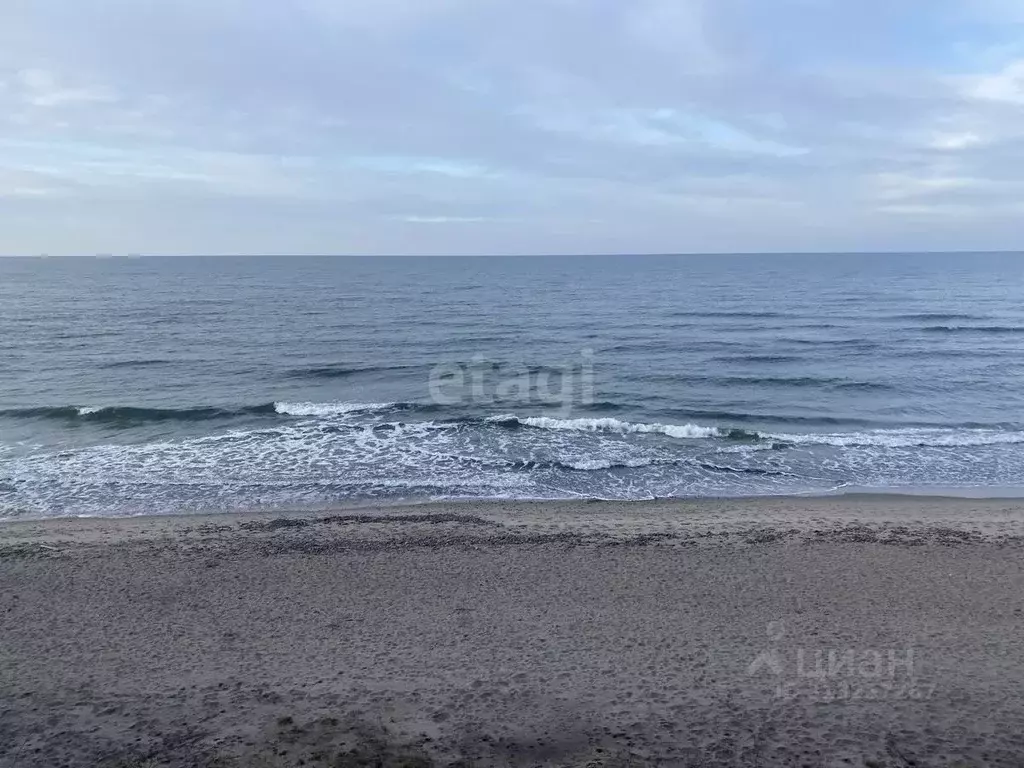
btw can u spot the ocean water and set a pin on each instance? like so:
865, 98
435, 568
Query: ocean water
153, 386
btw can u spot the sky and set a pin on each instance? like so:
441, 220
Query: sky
510, 126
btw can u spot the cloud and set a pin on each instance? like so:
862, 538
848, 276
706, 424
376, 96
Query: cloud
1006, 86
955, 141
481, 126
42, 89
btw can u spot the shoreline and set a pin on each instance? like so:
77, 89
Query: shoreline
1000, 494
581, 634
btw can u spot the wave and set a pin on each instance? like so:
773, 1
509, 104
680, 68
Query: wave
758, 418
142, 363
565, 465
747, 315
948, 354
757, 359
512, 367
888, 438
328, 410
903, 438
129, 414
993, 329
742, 470
582, 465
769, 381
853, 344
595, 465
342, 371
673, 346
331, 415
937, 316
207, 413
679, 431
506, 367
862, 386
120, 414
795, 381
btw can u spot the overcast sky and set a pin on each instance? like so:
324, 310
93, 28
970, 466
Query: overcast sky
510, 126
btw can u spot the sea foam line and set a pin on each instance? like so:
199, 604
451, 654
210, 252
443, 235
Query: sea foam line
886, 438
684, 431
903, 438
329, 409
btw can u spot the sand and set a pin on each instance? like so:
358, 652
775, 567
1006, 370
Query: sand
844, 631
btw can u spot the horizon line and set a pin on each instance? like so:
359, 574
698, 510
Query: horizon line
236, 255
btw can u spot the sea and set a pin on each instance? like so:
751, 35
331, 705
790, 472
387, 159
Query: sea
149, 386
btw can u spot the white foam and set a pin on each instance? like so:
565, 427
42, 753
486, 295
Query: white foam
86, 410
327, 410
886, 438
904, 438
590, 465
684, 431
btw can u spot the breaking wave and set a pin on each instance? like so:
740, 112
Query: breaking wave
904, 438
357, 415
120, 414
333, 409
683, 431
886, 438
129, 414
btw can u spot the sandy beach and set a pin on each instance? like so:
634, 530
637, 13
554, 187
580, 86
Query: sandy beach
840, 631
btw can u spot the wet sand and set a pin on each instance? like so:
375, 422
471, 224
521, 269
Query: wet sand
843, 631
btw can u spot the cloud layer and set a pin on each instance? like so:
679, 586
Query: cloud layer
510, 126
